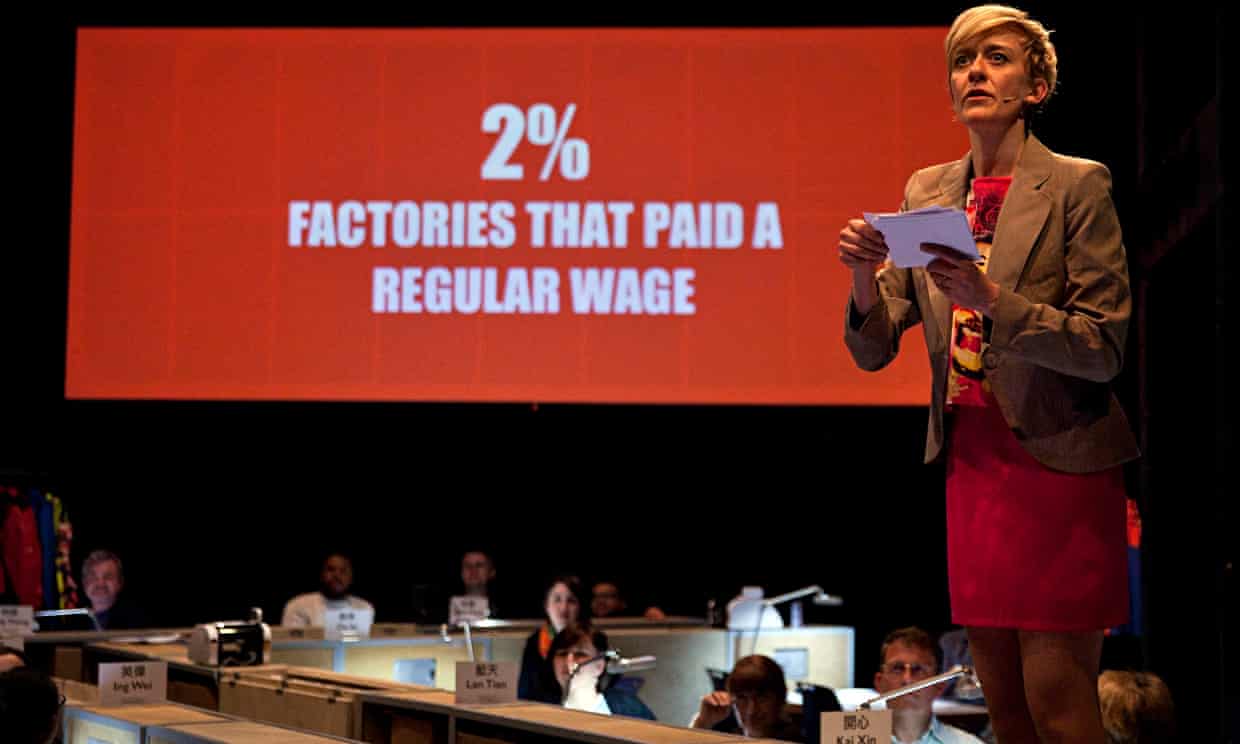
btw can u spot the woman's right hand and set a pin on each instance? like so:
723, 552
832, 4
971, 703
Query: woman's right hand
714, 708
862, 248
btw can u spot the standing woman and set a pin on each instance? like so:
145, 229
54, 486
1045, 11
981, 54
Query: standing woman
1022, 348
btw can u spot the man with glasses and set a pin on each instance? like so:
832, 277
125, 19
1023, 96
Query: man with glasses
910, 655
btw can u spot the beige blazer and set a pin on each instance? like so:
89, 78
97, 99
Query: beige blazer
1057, 335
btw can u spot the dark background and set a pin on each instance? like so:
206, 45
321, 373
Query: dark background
219, 506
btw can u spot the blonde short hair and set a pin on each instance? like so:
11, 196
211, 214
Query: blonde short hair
1041, 61
1136, 708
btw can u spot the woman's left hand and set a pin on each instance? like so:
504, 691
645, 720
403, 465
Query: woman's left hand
958, 277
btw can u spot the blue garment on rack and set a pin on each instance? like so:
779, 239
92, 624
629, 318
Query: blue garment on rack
45, 523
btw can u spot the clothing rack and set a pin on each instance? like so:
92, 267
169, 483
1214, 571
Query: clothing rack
36, 539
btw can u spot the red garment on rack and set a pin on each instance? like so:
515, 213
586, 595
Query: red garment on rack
22, 553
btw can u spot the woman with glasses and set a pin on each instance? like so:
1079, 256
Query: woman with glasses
1023, 346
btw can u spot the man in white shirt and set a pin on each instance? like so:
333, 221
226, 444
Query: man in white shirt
334, 581
909, 655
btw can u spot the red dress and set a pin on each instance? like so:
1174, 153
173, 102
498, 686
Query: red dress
1027, 547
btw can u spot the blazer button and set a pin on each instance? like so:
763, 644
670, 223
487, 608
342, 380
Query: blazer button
990, 359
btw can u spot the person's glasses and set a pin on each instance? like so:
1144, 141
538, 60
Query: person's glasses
917, 671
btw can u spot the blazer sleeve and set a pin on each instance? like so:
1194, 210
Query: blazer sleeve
873, 339
1083, 336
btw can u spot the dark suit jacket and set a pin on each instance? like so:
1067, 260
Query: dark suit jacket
1057, 335
122, 616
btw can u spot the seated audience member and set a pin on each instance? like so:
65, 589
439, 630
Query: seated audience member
30, 707
756, 693
909, 655
11, 658
1136, 708
954, 647
310, 609
592, 689
607, 601
478, 579
562, 606
103, 579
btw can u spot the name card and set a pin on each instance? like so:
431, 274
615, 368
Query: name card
16, 620
347, 623
133, 683
486, 682
465, 609
857, 727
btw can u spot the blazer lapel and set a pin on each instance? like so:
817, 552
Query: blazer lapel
952, 192
1023, 215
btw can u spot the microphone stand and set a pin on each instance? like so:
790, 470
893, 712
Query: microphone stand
949, 675
469, 641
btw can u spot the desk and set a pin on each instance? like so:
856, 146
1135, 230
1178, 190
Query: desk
59, 653
432, 718
188, 683
684, 648
234, 732
126, 724
306, 699
77, 693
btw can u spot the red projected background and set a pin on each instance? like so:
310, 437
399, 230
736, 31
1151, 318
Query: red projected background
488, 215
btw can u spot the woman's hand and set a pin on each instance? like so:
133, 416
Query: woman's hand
714, 708
862, 248
583, 692
958, 277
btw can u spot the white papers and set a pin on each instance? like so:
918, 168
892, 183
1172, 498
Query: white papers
906, 231
583, 691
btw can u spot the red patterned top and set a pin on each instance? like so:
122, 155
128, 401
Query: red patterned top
966, 384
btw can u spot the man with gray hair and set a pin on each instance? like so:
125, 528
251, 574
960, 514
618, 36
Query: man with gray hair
103, 578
